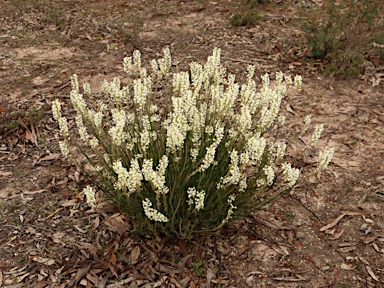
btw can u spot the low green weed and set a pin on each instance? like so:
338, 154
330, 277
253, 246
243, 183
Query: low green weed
249, 19
342, 32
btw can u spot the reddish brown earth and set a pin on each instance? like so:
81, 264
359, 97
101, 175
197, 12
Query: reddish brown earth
50, 237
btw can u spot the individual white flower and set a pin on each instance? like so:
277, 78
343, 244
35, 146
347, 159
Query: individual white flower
153, 109
280, 150
197, 126
102, 107
145, 134
274, 109
97, 168
243, 184
325, 158
244, 158
143, 73
290, 174
140, 93
232, 207
288, 80
235, 175
117, 132
251, 73
81, 128
307, 120
270, 174
107, 159
167, 59
162, 67
96, 118
137, 59
128, 180
165, 63
265, 80
175, 136
213, 67
64, 131
122, 175
75, 83
155, 68
281, 120
244, 120
255, 147
151, 213
196, 73
134, 176
157, 178
87, 89
211, 150
268, 116
316, 134
94, 143
230, 96
194, 153
114, 92
127, 63
209, 129
64, 148
180, 83
78, 102
298, 82
209, 157
56, 109
90, 195
196, 197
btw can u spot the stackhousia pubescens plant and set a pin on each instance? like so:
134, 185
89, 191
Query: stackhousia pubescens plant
185, 153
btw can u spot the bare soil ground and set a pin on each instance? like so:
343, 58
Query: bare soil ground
327, 233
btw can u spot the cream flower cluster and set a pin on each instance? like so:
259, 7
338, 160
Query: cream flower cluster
87, 89
117, 132
141, 89
162, 67
157, 178
75, 83
64, 131
76, 98
90, 196
325, 158
234, 172
255, 148
131, 179
291, 175
196, 197
64, 148
270, 174
316, 134
113, 89
231, 209
211, 150
56, 109
151, 213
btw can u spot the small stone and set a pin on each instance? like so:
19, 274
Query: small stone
363, 227
325, 268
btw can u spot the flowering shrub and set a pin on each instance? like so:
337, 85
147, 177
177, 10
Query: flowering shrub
203, 156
